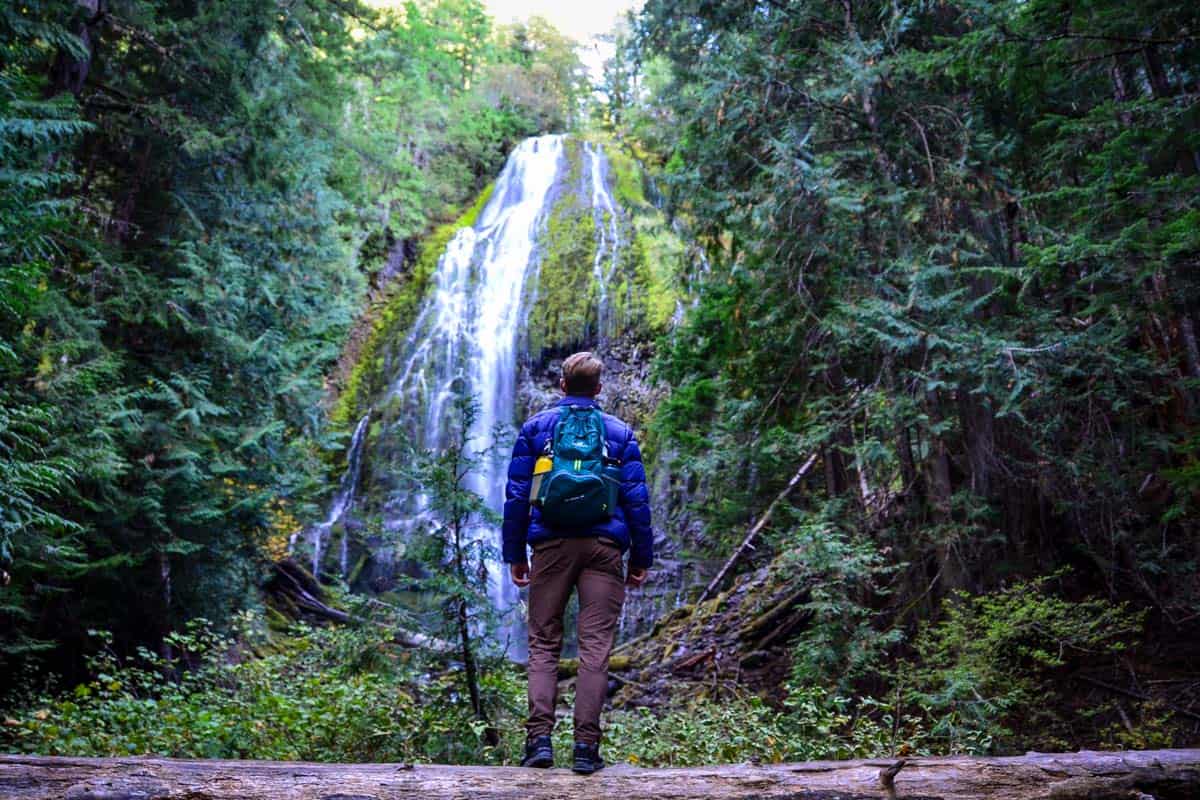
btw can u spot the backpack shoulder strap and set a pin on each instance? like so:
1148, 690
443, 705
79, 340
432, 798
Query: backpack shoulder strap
598, 421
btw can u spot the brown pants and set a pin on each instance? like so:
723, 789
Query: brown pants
596, 570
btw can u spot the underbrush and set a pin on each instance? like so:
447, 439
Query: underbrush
318, 694
813, 725
985, 679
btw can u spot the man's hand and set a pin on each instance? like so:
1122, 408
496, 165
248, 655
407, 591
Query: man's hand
635, 578
520, 574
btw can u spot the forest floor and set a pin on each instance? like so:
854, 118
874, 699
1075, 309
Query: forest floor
1160, 774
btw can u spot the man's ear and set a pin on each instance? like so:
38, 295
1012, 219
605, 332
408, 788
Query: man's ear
599, 388
562, 384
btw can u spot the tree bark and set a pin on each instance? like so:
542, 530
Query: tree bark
1161, 774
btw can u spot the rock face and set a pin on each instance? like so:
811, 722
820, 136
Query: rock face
1161, 774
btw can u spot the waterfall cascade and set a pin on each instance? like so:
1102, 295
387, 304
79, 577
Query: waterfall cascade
608, 235
466, 337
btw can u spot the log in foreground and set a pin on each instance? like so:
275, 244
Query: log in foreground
1158, 774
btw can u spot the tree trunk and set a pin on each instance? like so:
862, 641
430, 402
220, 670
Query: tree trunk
908, 467
462, 615
1161, 774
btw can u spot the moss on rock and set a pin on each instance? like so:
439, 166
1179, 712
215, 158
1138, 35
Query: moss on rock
563, 294
395, 313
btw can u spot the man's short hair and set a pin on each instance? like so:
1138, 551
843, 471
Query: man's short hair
581, 373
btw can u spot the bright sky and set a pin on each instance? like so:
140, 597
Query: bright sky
582, 20
579, 19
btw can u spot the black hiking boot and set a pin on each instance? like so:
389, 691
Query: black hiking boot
587, 759
539, 753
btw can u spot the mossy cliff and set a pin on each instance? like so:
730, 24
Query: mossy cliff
393, 314
563, 295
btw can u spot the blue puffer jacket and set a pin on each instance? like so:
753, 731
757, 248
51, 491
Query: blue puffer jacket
629, 525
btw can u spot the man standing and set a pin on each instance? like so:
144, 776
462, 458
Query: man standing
577, 496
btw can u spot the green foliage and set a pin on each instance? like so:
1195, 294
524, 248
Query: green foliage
991, 661
455, 521
812, 724
327, 694
193, 203
950, 251
839, 572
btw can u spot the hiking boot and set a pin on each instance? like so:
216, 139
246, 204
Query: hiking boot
587, 759
539, 753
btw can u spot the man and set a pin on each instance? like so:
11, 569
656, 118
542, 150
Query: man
568, 556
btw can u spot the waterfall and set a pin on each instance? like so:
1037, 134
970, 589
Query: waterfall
465, 338
318, 535
608, 234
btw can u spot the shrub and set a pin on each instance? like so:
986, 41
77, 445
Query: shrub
993, 658
322, 694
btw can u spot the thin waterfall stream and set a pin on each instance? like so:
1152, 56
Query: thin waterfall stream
608, 235
343, 500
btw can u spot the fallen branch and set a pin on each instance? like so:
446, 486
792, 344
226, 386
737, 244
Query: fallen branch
1163, 774
715, 583
303, 591
684, 664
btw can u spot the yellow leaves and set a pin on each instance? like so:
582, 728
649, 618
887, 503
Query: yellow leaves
633, 759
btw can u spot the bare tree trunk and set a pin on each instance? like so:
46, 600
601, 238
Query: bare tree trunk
164, 575
1161, 774
464, 628
940, 491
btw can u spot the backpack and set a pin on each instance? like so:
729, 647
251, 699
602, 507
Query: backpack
575, 483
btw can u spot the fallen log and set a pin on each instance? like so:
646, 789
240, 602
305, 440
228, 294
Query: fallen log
569, 667
1159, 774
748, 542
295, 586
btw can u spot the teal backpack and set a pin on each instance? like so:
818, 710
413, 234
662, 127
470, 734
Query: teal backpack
575, 483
